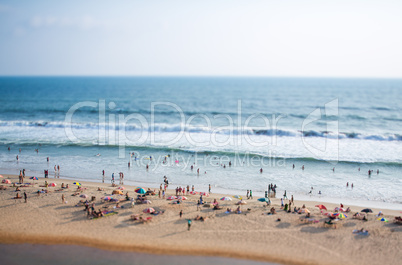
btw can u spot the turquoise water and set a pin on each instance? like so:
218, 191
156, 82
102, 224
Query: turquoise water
269, 123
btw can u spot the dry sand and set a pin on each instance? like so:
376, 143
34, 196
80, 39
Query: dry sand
252, 235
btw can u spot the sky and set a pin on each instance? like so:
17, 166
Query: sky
300, 38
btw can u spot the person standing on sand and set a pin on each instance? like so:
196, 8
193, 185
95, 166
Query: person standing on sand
209, 188
284, 195
251, 194
291, 199
25, 196
63, 199
112, 178
181, 213
248, 194
188, 224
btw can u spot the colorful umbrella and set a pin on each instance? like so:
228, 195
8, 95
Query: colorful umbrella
342, 216
77, 183
6, 181
121, 188
321, 207
52, 184
238, 197
382, 219
263, 200
225, 199
33, 178
107, 198
193, 192
204, 193
149, 210
182, 198
84, 196
140, 191
171, 198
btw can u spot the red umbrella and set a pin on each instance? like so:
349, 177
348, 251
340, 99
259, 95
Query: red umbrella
149, 210
321, 207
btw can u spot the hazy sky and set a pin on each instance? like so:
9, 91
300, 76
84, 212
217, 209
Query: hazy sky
248, 38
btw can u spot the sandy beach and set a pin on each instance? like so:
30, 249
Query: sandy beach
253, 234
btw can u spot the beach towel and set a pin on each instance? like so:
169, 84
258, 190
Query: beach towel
106, 213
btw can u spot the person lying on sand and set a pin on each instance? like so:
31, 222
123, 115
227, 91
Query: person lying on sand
100, 189
217, 207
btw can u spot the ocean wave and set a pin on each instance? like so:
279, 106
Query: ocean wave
150, 149
177, 128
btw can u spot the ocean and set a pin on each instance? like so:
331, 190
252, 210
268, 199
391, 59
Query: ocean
338, 129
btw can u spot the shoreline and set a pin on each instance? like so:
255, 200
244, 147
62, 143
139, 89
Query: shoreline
304, 198
93, 233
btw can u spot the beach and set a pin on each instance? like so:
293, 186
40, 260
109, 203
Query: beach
251, 235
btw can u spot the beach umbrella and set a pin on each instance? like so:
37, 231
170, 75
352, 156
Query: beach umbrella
149, 210
342, 216
182, 198
6, 181
382, 219
140, 191
171, 198
52, 185
320, 206
107, 198
204, 194
77, 183
121, 188
225, 199
366, 210
237, 197
193, 192
84, 196
33, 178
263, 200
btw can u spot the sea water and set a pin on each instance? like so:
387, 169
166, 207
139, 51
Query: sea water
338, 129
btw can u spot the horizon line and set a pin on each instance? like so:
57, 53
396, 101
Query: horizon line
195, 76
